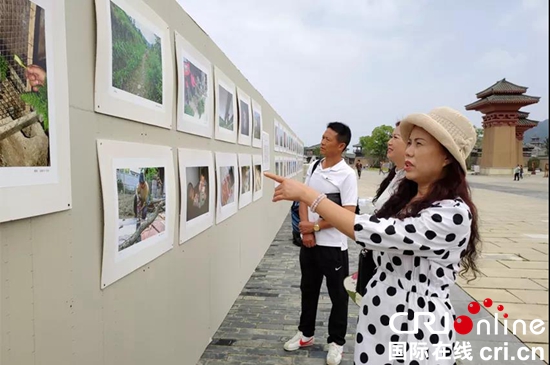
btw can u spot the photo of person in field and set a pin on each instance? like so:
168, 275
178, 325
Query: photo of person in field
141, 205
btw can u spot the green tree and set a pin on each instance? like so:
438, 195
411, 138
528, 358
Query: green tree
317, 151
479, 141
376, 144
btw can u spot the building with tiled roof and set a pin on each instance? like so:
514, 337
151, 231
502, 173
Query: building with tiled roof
503, 125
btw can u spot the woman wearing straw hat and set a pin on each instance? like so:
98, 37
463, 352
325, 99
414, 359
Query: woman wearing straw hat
423, 236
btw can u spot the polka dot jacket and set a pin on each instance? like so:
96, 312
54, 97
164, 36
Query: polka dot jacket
417, 259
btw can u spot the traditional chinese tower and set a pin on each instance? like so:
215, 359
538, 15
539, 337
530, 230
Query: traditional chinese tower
503, 126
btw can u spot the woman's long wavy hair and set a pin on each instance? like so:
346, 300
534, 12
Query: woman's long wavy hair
387, 180
385, 183
452, 185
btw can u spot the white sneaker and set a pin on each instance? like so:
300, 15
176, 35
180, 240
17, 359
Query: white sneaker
334, 356
298, 341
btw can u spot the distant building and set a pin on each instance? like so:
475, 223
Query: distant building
360, 156
503, 125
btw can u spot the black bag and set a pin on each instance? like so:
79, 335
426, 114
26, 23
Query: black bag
365, 272
334, 197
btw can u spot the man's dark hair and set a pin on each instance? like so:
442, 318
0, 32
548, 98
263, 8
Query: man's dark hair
343, 131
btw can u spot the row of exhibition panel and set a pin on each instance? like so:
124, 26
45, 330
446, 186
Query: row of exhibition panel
135, 79
139, 189
208, 102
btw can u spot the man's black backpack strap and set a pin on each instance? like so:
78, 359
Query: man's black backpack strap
357, 211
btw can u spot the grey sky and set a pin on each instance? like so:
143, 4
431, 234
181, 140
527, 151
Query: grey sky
371, 62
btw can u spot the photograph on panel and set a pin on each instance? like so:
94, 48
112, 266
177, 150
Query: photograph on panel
257, 124
257, 177
227, 180
226, 117
141, 204
245, 179
244, 119
24, 100
198, 198
195, 91
136, 56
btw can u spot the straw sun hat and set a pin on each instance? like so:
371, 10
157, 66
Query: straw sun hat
453, 130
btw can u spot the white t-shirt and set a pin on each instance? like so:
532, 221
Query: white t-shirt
370, 207
339, 178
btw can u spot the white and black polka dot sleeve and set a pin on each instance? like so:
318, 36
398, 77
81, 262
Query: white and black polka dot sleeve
437, 232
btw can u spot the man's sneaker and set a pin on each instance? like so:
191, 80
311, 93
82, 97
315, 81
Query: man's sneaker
298, 341
334, 355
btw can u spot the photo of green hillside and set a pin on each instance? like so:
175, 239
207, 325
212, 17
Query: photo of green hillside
137, 57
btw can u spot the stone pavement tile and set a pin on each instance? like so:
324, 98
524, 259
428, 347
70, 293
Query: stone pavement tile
531, 296
535, 265
490, 264
267, 312
525, 311
499, 283
517, 249
497, 295
525, 334
516, 273
542, 282
500, 256
543, 249
538, 347
534, 256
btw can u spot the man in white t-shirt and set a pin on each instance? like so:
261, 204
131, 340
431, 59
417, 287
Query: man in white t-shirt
324, 252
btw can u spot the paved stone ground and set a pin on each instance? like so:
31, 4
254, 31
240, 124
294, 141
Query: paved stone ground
267, 312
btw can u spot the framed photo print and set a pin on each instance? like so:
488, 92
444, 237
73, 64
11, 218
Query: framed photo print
195, 90
266, 152
245, 118
227, 185
257, 125
226, 107
197, 191
276, 135
139, 203
134, 63
258, 184
35, 167
245, 179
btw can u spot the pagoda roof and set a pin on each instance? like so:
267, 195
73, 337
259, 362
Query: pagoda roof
527, 122
502, 87
314, 146
504, 99
522, 114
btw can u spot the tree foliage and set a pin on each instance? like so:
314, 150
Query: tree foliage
479, 141
376, 145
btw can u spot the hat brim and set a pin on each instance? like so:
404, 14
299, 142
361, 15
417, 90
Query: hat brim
435, 129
